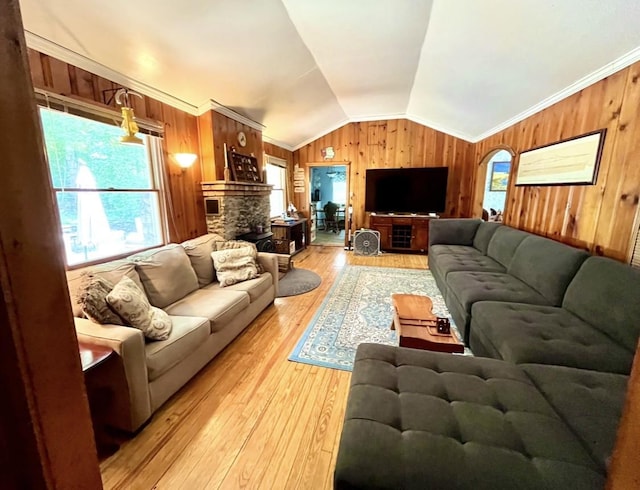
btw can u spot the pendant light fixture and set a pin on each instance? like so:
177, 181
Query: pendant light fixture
128, 117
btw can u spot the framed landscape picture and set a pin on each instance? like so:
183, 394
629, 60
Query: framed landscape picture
573, 161
499, 176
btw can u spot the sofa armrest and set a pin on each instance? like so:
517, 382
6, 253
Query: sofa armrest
269, 262
129, 344
460, 231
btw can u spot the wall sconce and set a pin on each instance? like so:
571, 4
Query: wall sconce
185, 160
128, 117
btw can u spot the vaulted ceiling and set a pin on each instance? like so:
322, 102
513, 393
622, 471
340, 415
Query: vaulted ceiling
302, 68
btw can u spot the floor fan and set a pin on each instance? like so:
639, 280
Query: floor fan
366, 242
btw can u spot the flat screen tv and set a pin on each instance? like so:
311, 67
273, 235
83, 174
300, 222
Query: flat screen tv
406, 190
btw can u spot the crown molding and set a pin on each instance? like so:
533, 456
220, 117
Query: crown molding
281, 144
60, 52
379, 117
607, 70
212, 105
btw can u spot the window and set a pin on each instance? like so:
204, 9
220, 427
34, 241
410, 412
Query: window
277, 177
107, 193
340, 192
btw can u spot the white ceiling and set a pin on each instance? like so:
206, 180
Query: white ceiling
302, 68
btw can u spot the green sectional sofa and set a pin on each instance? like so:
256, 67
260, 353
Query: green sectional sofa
561, 328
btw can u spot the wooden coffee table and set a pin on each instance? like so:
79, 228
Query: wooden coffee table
415, 323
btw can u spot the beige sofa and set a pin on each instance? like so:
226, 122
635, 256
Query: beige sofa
180, 279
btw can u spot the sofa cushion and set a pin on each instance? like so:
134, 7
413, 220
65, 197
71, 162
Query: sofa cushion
466, 288
92, 298
419, 419
484, 234
219, 306
112, 271
229, 244
463, 262
166, 274
589, 402
189, 333
604, 293
130, 302
199, 252
547, 266
254, 287
235, 265
521, 333
453, 249
470, 287
452, 231
503, 244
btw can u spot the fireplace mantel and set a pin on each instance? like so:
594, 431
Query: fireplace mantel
232, 188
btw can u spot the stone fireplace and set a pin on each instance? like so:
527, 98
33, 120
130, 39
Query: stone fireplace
241, 207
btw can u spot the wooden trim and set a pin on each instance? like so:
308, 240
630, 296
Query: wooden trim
489, 155
624, 471
94, 110
46, 443
348, 227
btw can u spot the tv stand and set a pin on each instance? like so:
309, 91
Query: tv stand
406, 233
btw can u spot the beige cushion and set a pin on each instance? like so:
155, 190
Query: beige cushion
130, 302
235, 265
188, 333
112, 271
166, 274
226, 245
92, 298
199, 252
219, 306
254, 287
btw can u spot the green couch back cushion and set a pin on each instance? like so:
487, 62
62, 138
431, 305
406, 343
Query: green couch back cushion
484, 235
503, 244
604, 293
547, 266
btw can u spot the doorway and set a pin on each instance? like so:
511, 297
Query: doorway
496, 183
329, 186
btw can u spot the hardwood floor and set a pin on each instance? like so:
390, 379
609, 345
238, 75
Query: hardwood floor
251, 418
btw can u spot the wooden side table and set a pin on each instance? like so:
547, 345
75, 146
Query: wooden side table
92, 355
107, 392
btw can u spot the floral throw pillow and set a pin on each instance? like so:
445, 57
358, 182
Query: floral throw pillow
234, 265
92, 298
229, 244
132, 304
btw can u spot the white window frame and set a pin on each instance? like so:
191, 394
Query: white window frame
152, 137
281, 163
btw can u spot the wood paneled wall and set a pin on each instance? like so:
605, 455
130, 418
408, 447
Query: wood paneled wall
598, 217
388, 144
277, 151
217, 129
185, 204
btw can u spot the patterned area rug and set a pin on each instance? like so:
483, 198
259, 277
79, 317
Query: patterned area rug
358, 309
